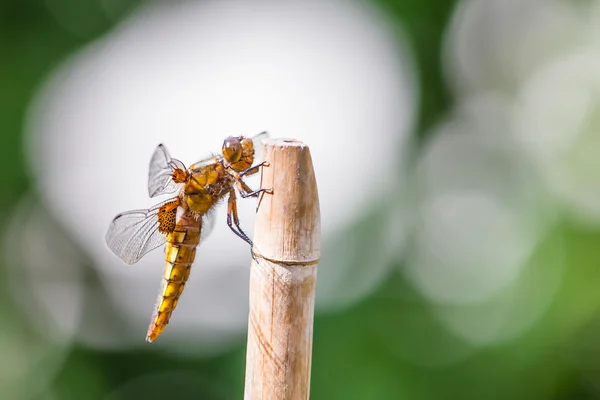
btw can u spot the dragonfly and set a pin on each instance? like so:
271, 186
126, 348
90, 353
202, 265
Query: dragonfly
182, 221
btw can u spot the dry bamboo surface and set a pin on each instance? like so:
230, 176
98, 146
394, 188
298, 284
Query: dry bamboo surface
283, 274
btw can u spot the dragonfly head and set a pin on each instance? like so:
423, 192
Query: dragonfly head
232, 149
238, 153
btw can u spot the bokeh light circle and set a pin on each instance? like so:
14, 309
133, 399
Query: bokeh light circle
478, 208
44, 281
329, 73
495, 45
557, 121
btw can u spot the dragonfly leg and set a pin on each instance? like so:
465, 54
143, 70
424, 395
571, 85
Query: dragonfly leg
233, 215
253, 170
246, 191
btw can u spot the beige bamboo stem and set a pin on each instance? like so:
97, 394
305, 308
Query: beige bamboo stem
283, 275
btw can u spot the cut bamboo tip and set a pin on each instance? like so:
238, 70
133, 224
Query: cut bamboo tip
283, 274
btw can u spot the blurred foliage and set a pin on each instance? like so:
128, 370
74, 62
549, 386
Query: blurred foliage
554, 360
424, 22
32, 43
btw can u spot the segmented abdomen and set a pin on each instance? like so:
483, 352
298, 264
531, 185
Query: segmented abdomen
180, 252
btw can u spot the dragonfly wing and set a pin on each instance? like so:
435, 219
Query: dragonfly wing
257, 141
160, 176
204, 162
132, 234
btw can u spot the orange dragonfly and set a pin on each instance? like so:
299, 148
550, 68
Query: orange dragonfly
183, 220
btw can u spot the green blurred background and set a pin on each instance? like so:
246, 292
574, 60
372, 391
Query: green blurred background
389, 345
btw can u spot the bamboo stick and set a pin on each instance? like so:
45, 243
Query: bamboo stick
283, 275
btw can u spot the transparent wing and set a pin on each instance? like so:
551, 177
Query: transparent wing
160, 179
134, 233
257, 142
260, 136
204, 162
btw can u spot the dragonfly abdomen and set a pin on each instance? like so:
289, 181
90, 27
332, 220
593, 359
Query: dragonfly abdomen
180, 253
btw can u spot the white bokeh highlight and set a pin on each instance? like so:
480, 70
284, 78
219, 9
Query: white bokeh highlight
44, 273
43, 277
558, 121
543, 55
480, 214
470, 247
478, 207
517, 151
496, 45
517, 308
329, 73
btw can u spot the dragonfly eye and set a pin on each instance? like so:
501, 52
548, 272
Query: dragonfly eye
232, 150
